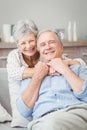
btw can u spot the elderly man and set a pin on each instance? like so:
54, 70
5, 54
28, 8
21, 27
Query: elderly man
57, 100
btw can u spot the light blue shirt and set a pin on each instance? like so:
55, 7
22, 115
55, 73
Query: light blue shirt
55, 93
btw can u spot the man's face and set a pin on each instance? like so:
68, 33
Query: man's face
49, 46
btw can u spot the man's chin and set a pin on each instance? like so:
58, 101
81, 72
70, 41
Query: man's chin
47, 60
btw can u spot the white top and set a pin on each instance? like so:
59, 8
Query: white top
15, 68
15, 65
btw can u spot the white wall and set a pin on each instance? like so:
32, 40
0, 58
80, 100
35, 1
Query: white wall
46, 13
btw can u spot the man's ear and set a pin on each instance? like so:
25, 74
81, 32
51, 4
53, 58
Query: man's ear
62, 48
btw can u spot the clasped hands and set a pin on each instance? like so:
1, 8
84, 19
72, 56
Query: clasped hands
56, 66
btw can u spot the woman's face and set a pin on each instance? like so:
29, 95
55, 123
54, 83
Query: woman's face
27, 44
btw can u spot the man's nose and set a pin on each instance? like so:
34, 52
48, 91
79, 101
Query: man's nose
47, 45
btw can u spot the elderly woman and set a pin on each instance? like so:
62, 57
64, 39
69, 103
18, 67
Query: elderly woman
26, 56
21, 61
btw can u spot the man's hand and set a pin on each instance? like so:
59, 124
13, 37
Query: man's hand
52, 71
58, 65
30, 94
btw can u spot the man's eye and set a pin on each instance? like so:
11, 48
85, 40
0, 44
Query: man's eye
52, 41
42, 44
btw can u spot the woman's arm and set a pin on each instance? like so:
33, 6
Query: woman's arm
70, 61
28, 73
79, 60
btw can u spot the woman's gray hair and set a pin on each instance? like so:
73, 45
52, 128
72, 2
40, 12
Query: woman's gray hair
24, 27
49, 30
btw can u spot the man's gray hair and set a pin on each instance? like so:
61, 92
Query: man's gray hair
49, 30
24, 27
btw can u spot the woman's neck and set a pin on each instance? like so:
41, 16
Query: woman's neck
31, 60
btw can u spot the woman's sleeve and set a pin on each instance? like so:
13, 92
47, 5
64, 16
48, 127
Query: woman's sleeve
14, 67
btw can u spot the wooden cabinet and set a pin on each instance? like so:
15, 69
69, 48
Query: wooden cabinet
5, 48
76, 49
71, 49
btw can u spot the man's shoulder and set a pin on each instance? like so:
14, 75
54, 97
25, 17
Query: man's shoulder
78, 67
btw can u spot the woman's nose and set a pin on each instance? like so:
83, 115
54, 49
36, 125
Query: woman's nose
27, 44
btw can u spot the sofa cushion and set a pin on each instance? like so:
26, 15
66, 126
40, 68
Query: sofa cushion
5, 99
6, 126
4, 115
4, 91
17, 119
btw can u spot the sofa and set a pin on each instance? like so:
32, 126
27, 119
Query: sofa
5, 100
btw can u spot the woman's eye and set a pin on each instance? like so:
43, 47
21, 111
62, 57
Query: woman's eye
31, 41
23, 43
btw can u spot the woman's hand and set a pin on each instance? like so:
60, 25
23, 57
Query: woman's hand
41, 69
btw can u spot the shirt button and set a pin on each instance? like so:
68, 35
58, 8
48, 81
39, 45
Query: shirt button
55, 94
